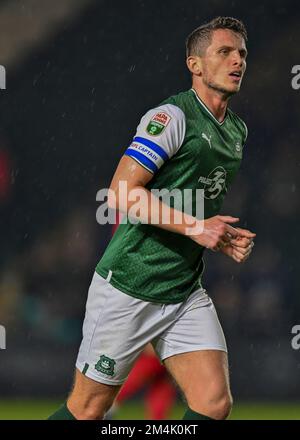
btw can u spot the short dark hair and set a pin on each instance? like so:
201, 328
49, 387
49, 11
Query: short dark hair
200, 38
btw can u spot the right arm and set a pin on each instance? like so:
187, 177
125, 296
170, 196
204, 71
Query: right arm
159, 136
215, 231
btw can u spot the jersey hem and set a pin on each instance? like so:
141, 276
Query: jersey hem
123, 289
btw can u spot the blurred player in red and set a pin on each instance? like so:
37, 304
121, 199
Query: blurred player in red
160, 393
5, 174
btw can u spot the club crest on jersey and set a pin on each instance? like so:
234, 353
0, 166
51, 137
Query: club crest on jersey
214, 183
105, 365
158, 123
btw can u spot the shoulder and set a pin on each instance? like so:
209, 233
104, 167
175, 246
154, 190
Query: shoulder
164, 124
175, 105
182, 100
157, 119
159, 135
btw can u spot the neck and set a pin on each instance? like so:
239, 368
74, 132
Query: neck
214, 100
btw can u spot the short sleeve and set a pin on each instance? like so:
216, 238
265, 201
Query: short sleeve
159, 136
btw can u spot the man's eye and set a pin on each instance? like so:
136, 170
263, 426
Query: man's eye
224, 51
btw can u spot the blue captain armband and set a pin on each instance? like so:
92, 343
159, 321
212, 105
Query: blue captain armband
147, 153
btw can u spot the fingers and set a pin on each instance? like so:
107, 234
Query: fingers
239, 259
241, 254
231, 232
242, 247
238, 254
242, 232
226, 238
241, 242
228, 219
220, 233
246, 233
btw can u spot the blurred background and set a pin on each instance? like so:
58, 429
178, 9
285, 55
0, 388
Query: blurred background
79, 75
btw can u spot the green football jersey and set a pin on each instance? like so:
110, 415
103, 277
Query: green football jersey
185, 147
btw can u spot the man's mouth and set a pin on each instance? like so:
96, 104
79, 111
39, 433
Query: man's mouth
236, 75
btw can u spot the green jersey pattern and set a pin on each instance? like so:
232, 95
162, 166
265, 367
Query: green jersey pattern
153, 264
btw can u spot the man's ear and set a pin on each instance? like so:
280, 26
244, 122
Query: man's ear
194, 64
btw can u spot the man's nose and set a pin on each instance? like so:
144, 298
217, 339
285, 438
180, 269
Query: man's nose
237, 59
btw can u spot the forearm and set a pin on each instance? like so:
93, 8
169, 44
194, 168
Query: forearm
140, 204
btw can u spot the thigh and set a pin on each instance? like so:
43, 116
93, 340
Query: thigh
201, 375
195, 327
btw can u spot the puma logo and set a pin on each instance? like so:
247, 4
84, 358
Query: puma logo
208, 139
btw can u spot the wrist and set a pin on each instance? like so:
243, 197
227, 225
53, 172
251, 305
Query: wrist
195, 229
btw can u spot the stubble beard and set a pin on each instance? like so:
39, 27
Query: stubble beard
225, 93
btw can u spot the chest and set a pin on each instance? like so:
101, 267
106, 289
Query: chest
212, 145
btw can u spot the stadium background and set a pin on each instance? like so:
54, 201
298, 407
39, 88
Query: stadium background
80, 73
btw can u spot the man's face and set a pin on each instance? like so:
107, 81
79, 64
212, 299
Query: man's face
224, 62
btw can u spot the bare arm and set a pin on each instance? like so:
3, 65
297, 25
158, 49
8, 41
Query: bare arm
211, 233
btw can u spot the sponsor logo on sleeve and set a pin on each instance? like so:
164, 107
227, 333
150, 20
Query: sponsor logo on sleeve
158, 123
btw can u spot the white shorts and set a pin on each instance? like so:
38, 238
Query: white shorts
117, 327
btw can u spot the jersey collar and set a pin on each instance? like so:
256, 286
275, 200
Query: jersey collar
207, 109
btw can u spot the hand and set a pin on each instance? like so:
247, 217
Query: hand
217, 233
240, 248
